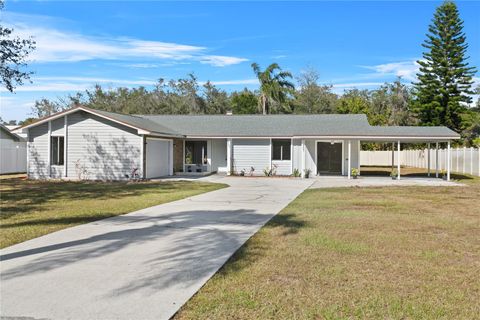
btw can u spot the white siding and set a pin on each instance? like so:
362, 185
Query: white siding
284, 168
310, 161
297, 154
38, 152
58, 126
13, 154
355, 162
249, 153
103, 150
158, 158
219, 154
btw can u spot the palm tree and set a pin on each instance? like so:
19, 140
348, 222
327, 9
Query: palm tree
274, 85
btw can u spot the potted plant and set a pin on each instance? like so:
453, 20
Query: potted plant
444, 174
355, 173
307, 173
394, 174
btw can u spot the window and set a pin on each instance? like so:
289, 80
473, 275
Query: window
280, 149
57, 147
196, 152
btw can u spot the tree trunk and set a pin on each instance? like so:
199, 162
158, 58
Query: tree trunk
264, 104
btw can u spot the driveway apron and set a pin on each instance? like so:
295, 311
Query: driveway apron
142, 265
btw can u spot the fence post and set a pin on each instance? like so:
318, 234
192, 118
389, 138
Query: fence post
471, 160
464, 157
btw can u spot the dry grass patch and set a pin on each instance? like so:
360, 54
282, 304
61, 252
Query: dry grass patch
389, 253
29, 209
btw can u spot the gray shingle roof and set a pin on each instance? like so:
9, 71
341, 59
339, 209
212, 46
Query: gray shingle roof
289, 126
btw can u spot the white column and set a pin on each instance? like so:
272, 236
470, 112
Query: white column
170, 159
303, 158
142, 168
464, 158
229, 156
428, 157
65, 147
398, 161
436, 160
349, 158
448, 160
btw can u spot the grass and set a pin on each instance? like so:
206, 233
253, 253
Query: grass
30, 209
348, 253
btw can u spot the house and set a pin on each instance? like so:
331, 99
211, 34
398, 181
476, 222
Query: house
13, 151
83, 143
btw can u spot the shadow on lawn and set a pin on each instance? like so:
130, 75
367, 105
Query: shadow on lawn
20, 196
181, 247
409, 172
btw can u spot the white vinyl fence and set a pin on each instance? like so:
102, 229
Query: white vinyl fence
13, 157
463, 160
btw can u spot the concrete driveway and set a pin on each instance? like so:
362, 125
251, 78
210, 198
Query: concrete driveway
143, 265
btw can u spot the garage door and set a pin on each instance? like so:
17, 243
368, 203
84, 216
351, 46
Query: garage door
158, 158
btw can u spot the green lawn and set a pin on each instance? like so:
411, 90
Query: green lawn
349, 253
30, 209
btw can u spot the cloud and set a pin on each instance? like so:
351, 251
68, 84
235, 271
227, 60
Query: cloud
221, 61
72, 84
58, 45
233, 82
405, 69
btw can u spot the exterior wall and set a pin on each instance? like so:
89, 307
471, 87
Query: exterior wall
58, 127
37, 150
249, 153
178, 155
219, 155
310, 155
101, 149
13, 154
284, 168
157, 158
297, 155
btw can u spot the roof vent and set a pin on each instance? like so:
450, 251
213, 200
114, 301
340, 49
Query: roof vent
229, 113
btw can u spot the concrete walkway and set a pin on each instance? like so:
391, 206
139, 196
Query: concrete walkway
143, 265
371, 181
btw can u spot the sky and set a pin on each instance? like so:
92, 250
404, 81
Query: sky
129, 44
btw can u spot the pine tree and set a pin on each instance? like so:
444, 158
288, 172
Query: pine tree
445, 79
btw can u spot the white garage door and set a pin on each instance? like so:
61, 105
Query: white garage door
158, 158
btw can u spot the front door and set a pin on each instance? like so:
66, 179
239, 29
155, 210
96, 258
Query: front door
329, 158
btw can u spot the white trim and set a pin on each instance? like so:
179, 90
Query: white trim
291, 156
271, 146
155, 138
65, 146
330, 141
364, 138
28, 153
170, 158
183, 155
303, 158
229, 157
349, 158
142, 152
49, 169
